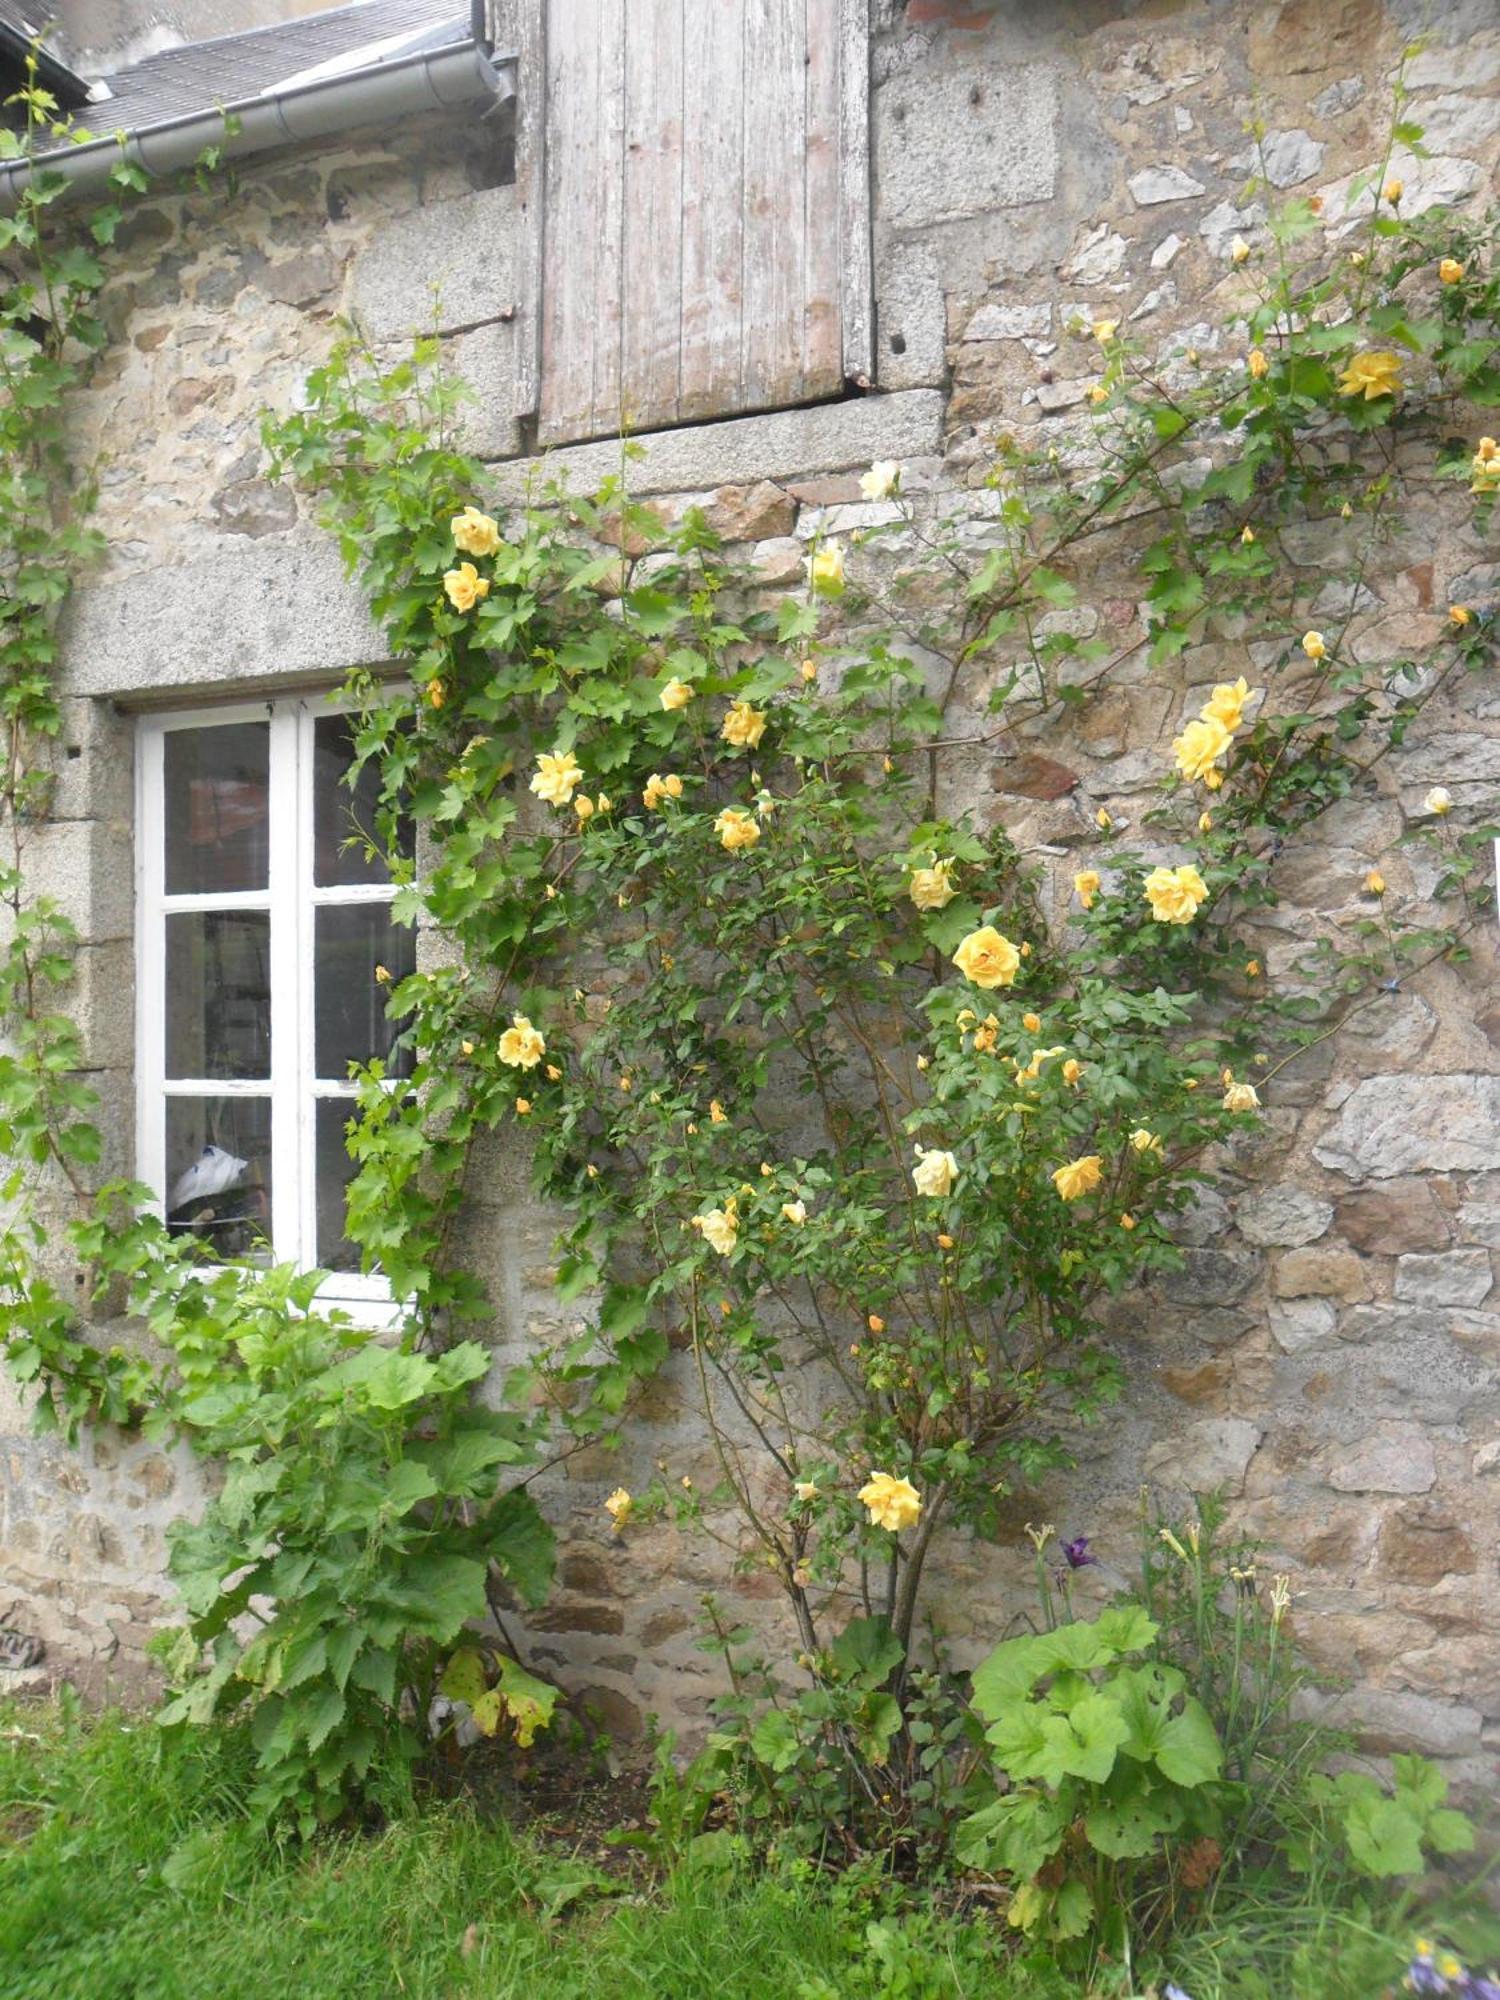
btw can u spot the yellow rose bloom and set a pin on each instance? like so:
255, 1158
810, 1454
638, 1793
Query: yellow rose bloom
1450, 270
985, 1036
1376, 372
583, 805
893, 1503
619, 1506
676, 693
1205, 822
1127, 1222
1078, 1177
1032, 1023
1314, 645
1241, 1097
659, 788
932, 888
1247, 534
1393, 191
475, 533
825, 570
1099, 393
805, 1489
1227, 704
736, 829
717, 1115
523, 1106
557, 777
1459, 615
465, 586
1072, 1069
935, 1172
1439, 800
743, 726
882, 481
522, 1046
987, 959
1102, 820
1374, 883
1144, 1141
1200, 746
1086, 885
1175, 893
1239, 250
1258, 364
795, 1212
720, 1228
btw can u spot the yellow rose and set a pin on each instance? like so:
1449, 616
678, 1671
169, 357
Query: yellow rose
1239, 250
1099, 393
1086, 885
934, 1173
717, 1115
1376, 372
809, 670
1459, 615
1032, 1023
1374, 883
932, 888
1247, 534
522, 1046
1105, 329
1450, 270
795, 1212
1102, 820
805, 1489
743, 726
1393, 191
1175, 893
437, 694
893, 1503
736, 829
619, 1506
1205, 822
1227, 704
523, 1106
720, 1228
825, 570
465, 586
1072, 1069
676, 694
1200, 746
986, 1035
1439, 800
557, 777
1078, 1177
882, 481
382, 976
1314, 645
1258, 365
475, 533
1144, 1141
583, 805
1241, 1097
659, 788
987, 959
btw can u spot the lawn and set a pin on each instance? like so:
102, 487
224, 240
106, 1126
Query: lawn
128, 1872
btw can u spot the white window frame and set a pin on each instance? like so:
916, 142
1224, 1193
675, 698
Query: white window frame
294, 1087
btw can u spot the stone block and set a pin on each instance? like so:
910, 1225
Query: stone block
84, 866
1399, 1461
1284, 1217
910, 318
964, 141
1421, 1543
1452, 1278
781, 445
1200, 1457
994, 321
272, 612
1328, 1271
1397, 1722
1391, 1125
1301, 1323
1209, 1278
1153, 185
486, 359
1403, 1215
438, 269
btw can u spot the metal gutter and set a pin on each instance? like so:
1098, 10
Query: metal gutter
435, 79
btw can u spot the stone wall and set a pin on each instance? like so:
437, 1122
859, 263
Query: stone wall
1327, 1355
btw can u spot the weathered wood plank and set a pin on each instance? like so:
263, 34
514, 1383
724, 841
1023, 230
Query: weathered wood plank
570, 288
608, 196
854, 155
519, 27
651, 333
822, 334
713, 220
775, 177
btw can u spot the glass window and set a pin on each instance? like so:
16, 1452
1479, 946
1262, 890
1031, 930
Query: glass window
268, 956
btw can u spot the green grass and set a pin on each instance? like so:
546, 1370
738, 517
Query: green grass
127, 1872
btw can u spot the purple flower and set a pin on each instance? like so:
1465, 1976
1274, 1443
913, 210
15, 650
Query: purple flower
1171, 1991
1077, 1552
1475, 1986
1422, 1976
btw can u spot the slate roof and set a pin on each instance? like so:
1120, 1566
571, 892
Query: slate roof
196, 77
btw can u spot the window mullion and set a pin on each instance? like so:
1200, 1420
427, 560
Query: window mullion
150, 959
286, 1055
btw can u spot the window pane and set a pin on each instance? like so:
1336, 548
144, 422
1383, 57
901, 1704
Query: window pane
341, 815
219, 993
351, 941
217, 823
335, 1170
219, 1172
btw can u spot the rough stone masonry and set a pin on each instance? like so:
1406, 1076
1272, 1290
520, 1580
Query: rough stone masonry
1328, 1353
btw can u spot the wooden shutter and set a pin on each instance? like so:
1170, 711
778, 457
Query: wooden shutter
704, 212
